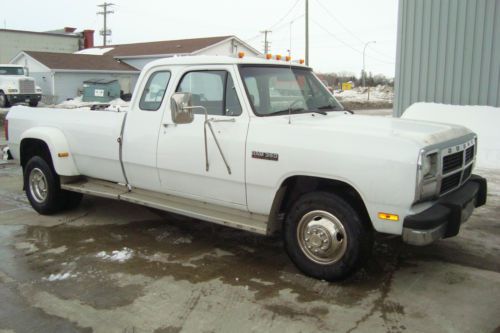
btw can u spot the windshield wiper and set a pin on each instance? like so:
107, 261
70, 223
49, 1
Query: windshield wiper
287, 111
329, 108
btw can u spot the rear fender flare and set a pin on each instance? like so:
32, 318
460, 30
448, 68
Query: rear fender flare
57, 143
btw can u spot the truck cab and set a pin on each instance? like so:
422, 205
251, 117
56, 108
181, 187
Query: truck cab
17, 87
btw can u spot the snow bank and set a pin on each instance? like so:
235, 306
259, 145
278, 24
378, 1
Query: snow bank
483, 120
114, 105
359, 94
95, 51
120, 256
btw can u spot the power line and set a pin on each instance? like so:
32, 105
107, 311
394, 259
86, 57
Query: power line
105, 11
348, 45
343, 26
285, 16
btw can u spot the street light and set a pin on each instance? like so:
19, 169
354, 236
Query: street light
364, 61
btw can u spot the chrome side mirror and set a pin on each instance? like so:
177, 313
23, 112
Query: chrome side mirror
181, 108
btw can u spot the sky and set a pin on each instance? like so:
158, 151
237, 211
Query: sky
338, 29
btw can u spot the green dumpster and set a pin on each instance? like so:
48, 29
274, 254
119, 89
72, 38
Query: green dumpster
100, 90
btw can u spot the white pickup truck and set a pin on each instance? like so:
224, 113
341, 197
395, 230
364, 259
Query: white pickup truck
260, 145
16, 87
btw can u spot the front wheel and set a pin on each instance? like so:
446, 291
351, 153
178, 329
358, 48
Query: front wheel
4, 101
34, 103
325, 237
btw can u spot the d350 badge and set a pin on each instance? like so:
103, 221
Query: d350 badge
265, 156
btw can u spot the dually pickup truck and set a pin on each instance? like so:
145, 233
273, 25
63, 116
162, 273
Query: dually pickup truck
259, 145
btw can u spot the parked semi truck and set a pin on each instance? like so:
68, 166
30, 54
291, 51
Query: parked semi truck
17, 87
259, 145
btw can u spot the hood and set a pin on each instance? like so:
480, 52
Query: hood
423, 133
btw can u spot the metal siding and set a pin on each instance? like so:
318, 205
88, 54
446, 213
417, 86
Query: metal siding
448, 53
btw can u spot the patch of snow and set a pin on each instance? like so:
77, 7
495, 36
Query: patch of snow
117, 104
182, 240
483, 120
95, 51
359, 94
27, 247
86, 241
120, 256
60, 276
57, 250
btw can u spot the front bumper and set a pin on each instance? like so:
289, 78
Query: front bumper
20, 98
444, 219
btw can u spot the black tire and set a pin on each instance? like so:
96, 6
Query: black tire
51, 201
350, 245
34, 103
4, 100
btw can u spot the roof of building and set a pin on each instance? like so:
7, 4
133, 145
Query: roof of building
48, 33
80, 62
180, 46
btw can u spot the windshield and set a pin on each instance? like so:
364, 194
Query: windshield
280, 90
11, 71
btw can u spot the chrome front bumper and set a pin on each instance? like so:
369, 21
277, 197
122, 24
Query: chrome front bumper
443, 220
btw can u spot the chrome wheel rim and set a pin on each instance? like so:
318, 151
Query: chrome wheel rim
38, 185
322, 237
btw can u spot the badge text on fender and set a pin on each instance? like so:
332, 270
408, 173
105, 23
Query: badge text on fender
265, 156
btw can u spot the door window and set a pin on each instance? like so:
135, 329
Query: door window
154, 92
213, 90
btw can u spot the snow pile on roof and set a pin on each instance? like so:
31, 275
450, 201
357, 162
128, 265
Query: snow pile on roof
380, 93
114, 105
95, 51
483, 120
120, 256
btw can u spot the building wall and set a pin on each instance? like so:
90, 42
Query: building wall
448, 52
69, 84
13, 42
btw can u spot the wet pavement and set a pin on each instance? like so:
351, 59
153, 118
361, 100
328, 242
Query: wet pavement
116, 267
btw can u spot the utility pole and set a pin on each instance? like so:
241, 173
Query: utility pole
364, 62
266, 41
307, 33
105, 11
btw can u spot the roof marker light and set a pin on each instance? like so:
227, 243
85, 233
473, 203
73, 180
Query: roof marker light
241, 55
269, 56
288, 58
301, 61
278, 57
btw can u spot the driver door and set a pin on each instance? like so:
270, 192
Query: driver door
181, 148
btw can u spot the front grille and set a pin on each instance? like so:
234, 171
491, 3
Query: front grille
469, 154
450, 182
467, 173
26, 86
453, 162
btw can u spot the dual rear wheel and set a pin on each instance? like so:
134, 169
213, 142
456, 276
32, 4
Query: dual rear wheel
43, 188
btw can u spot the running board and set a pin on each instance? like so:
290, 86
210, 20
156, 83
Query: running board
195, 209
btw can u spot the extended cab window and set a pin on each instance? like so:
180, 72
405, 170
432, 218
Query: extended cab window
213, 90
153, 93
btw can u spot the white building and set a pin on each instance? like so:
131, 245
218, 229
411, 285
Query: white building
64, 40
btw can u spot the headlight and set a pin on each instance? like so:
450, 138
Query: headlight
38, 90
12, 91
427, 186
429, 167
